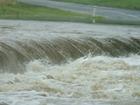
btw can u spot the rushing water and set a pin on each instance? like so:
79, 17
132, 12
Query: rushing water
76, 64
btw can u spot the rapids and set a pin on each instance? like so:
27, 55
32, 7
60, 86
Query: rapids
68, 63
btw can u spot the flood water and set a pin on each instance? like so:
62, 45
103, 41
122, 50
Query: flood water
48, 63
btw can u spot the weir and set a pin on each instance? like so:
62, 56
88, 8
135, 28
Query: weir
15, 53
68, 63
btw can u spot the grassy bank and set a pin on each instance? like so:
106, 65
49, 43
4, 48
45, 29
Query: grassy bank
12, 10
129, 4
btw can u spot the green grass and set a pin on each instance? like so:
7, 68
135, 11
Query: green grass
129, 4
29, 12
12, 10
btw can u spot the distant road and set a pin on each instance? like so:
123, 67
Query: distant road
107, 12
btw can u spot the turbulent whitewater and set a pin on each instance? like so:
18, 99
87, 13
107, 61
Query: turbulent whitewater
47, 63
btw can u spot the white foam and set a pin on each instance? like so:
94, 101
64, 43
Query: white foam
99, 77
